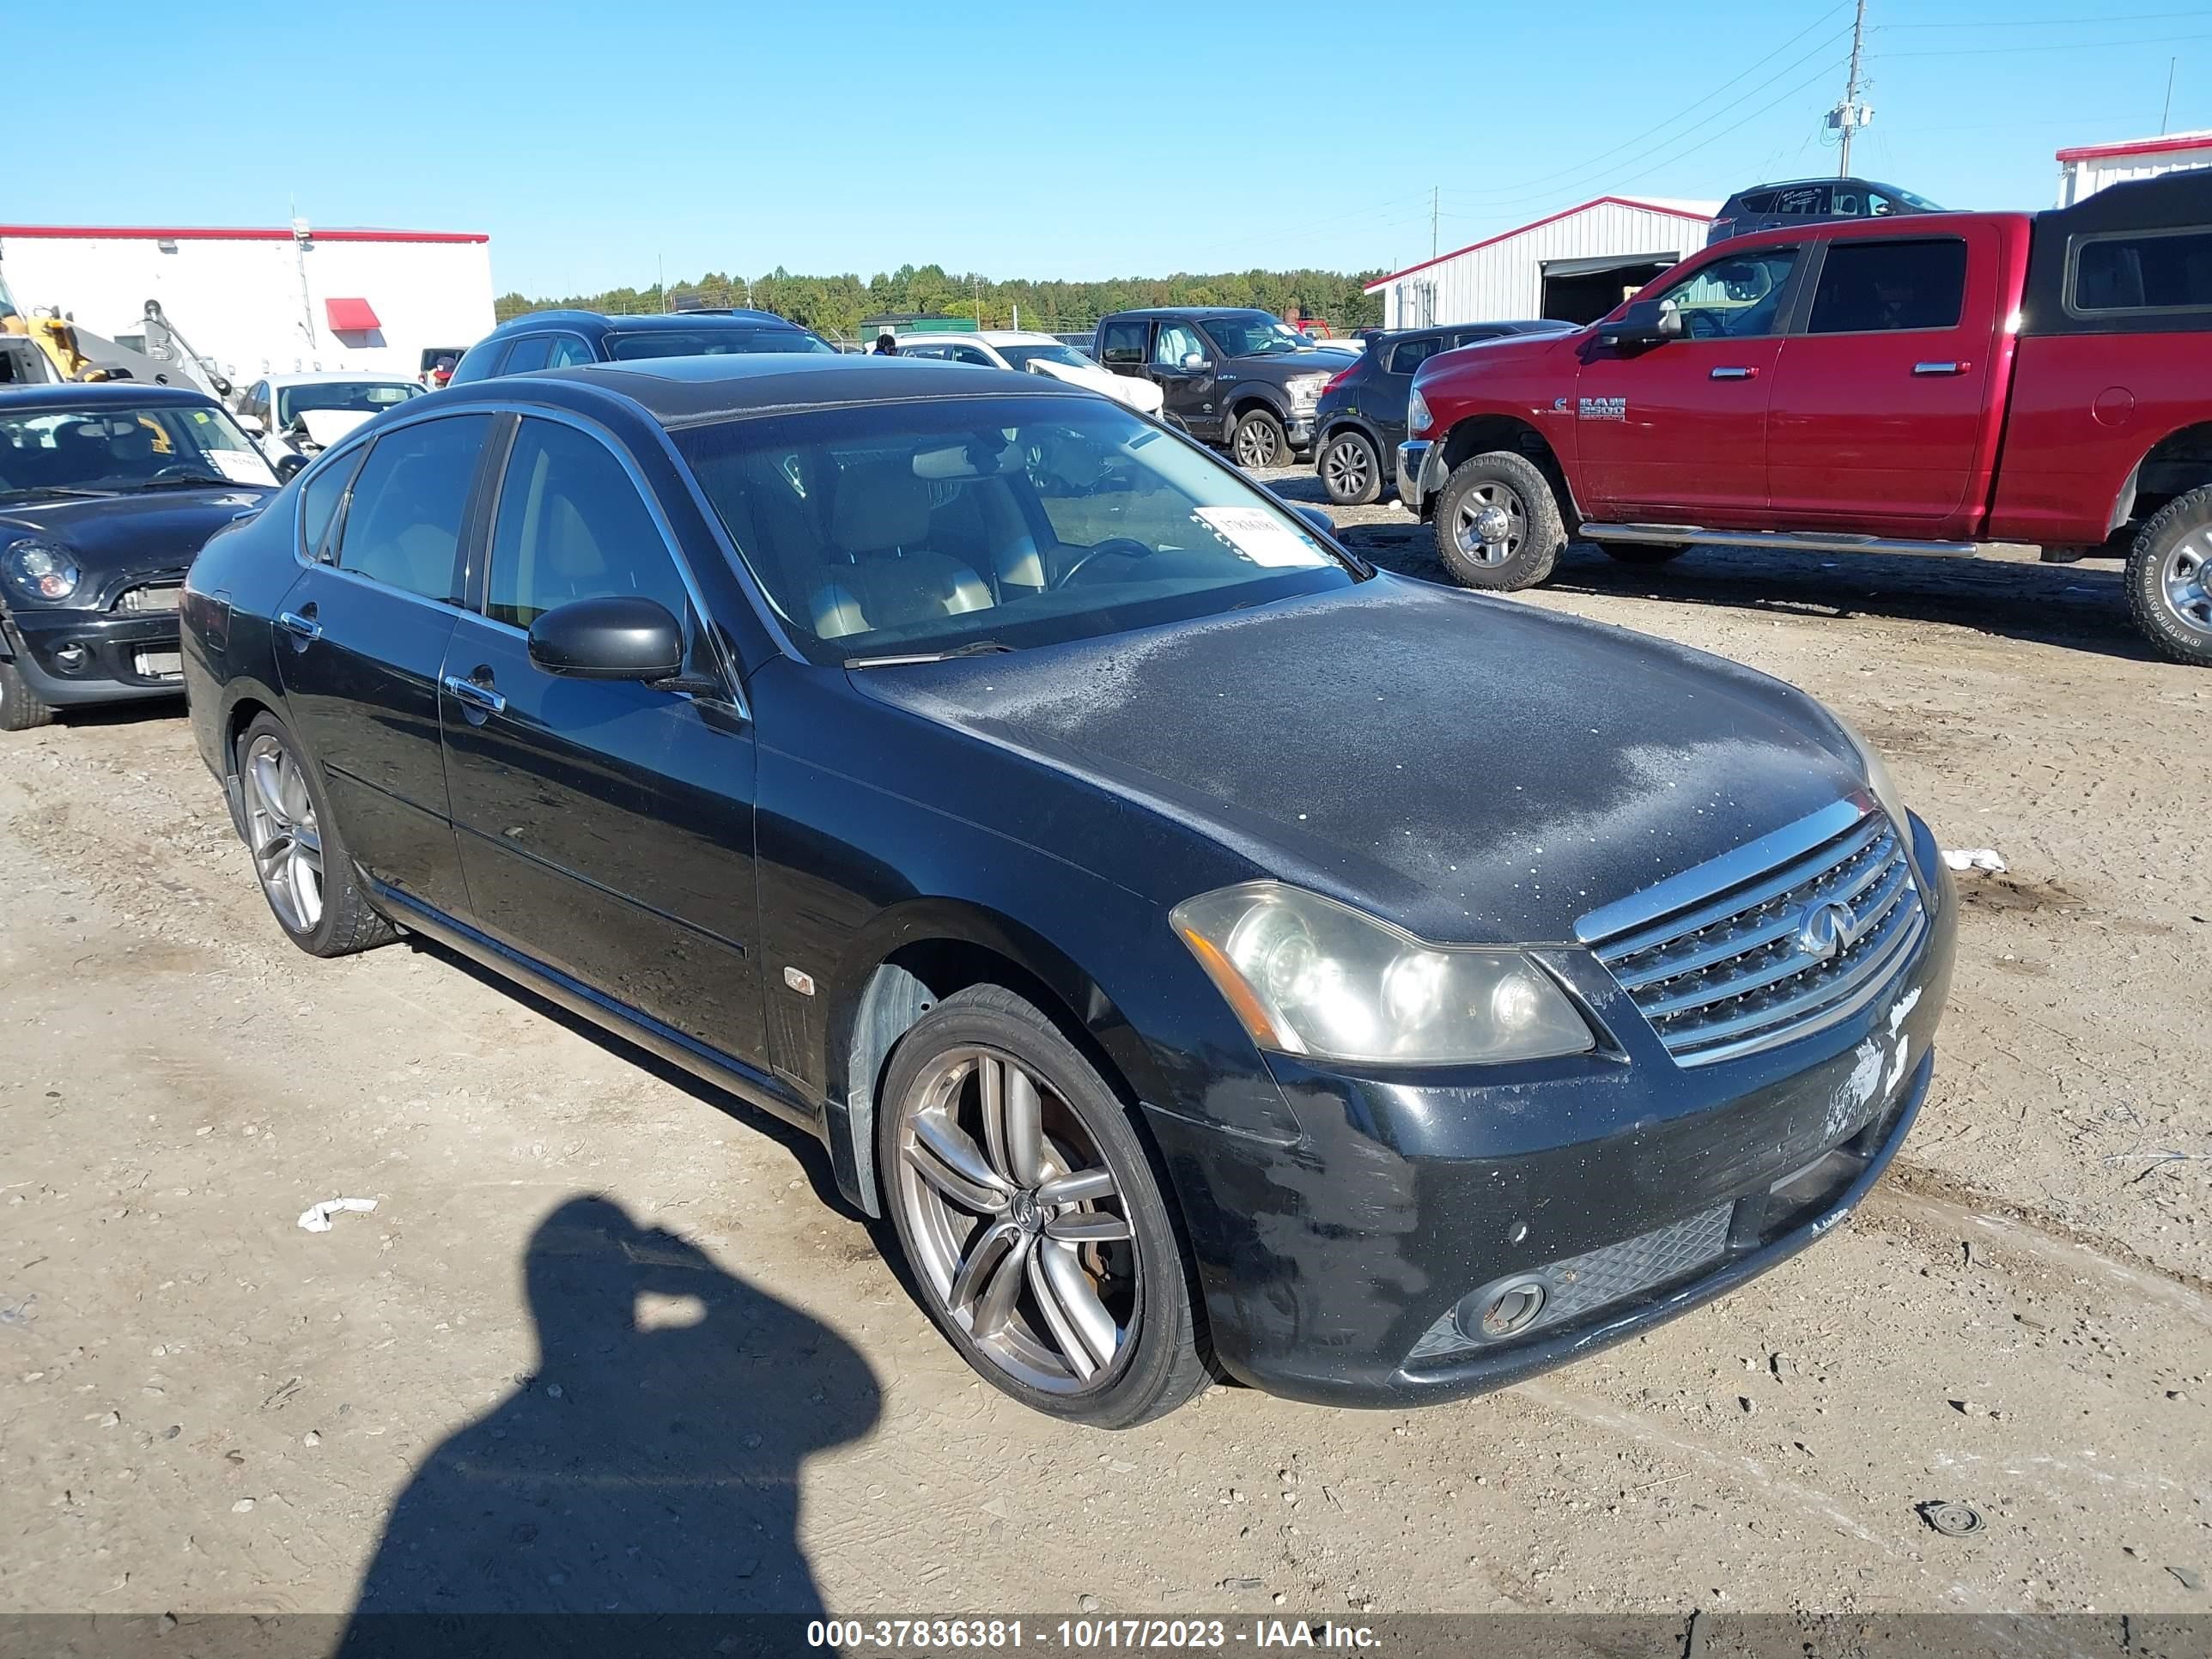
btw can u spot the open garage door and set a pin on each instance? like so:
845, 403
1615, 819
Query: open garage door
1584, 290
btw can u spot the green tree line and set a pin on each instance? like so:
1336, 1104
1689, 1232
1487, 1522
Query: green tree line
838, 305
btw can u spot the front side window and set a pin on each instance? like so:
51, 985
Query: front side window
112, 448
900, 529
1735, 298
709, 343
1407, 356
410, 498
1872, 286
571, 526
1176, 341
965, 354
1123, 341
2163, 271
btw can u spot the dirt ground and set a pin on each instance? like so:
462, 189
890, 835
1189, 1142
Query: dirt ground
204, 1408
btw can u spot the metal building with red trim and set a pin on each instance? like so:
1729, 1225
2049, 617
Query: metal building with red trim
2085, 169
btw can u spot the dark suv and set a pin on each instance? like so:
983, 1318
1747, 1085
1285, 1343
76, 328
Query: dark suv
1361, 419
561, 339
1807, 201
1241, 379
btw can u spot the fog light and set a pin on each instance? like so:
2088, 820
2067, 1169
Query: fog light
1503, 1310
71, 657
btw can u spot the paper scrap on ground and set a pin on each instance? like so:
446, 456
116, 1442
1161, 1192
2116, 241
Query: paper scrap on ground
317, 1218
1260, 536
1976, 858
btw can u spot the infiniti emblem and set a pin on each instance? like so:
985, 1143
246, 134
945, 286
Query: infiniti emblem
1827, 929
1027, 1216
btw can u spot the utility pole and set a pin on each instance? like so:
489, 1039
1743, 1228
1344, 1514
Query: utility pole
1432, 221
1850, 115
2165, 112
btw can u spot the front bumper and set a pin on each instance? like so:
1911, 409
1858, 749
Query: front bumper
1351, 1267
1420, 473
73, 657
1301, 429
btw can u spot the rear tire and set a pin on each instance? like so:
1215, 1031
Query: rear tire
1259, 440
1530, 535
2169, 579
298, 856
1351, 470
19, 709
1643, 552
1046, 1253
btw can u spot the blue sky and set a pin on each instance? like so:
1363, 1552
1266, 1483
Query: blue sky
1071, 140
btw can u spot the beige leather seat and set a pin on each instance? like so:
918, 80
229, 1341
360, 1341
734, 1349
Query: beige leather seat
879, 522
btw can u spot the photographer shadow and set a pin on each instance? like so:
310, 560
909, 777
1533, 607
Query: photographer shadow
649, 1465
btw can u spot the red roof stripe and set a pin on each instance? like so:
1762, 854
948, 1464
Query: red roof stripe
1538, 224
208, 233
2137, 147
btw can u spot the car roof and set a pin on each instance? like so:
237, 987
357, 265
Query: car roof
324, 376
1798, 184
684, 391
99, 394
644, 321
992, 337
1187, 311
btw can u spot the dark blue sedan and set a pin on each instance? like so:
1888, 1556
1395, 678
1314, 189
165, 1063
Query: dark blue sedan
1212, 953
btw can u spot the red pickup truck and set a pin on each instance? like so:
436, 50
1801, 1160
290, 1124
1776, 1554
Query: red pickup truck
1930, 384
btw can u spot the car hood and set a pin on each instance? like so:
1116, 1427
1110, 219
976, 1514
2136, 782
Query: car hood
1475, 769
1505, 348
126, 535
1123, 388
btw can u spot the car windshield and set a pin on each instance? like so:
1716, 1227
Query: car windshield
117, 447
354, 397
915, 529
709, 341
1021, 356
1253, 334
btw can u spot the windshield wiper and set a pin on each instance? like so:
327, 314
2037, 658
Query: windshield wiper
183, 481
67, 490
973, 648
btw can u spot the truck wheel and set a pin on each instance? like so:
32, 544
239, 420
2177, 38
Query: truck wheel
1260, 441
1498, 523
2169, 579
19, 710
1351, 470
1643, 552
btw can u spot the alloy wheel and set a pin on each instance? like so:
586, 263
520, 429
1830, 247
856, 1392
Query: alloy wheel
282, 834
2186, 580
1491, 525
1255, 444
1017, 1220
1345, 469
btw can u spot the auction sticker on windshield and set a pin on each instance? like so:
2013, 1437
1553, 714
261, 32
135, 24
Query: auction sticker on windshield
238, 466
1260, 536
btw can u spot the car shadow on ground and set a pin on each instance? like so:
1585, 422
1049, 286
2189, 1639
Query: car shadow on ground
127, 713
806, 1150
648, 1465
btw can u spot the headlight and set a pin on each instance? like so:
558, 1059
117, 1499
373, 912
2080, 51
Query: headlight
41, 570
1879, 784
1308, 976
1417, 418
1306, 388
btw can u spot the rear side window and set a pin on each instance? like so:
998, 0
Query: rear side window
409, 501
573, 526
479, 362
1407, 356
1801, 201
1123, 341
319, 500
1868, 288
567, 352
2169, 270
531, 351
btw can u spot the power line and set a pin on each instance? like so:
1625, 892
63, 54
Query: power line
2048, 22
1812, 80
2069, 45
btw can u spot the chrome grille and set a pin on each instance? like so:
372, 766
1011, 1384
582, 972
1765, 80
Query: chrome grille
1734, 956
158, 596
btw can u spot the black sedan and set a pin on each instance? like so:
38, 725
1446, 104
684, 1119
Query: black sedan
105, 494
1208, 950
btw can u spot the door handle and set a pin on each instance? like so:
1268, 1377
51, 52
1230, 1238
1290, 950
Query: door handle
1941, 369
475, 696
1734, 374
304, 628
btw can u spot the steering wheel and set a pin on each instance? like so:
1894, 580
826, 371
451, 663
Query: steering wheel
1705, 325
1129, 545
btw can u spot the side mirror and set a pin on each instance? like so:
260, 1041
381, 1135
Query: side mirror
289, 465
1645, 323
617, 638
1197, 360
253, 424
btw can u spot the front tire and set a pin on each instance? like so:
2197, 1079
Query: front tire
1259, 440
298, 854
21, 709
2169, 579
1498, 523
1351, 470
1643, 552
1031, 1217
